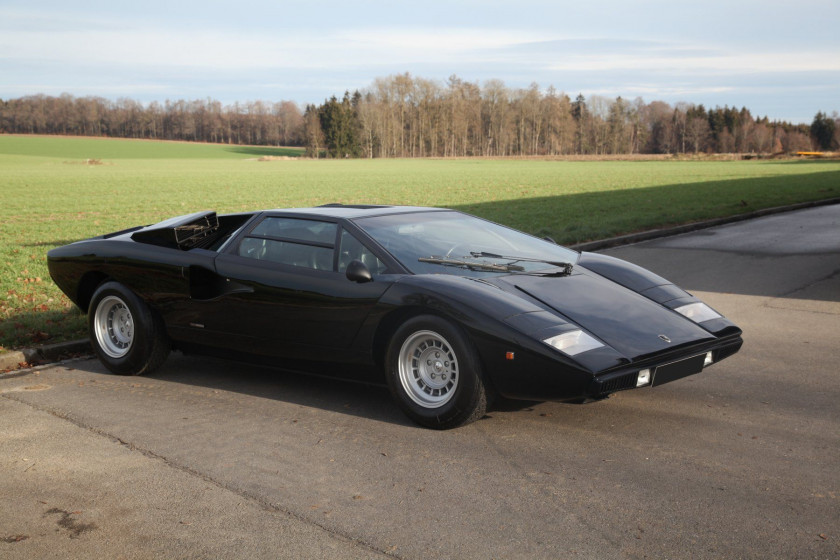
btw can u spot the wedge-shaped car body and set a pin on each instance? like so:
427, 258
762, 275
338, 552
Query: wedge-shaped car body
448, 309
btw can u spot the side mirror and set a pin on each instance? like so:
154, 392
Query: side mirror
358, 272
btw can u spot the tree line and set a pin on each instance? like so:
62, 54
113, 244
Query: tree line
255, 122
403, 116
406, 116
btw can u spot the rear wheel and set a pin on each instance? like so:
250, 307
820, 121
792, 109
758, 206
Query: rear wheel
126, 335
434, 374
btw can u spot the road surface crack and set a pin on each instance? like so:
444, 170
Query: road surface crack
264, 504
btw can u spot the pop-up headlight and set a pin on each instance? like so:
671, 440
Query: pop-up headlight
698, 312
573, 342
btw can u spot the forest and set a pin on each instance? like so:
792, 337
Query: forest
406, 116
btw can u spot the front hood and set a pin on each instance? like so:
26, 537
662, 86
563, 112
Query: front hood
625, 320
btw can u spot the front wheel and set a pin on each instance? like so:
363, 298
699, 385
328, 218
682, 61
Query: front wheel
434, 374
126, 335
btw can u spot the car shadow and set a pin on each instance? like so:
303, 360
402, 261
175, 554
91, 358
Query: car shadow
347, 397
302, 388
297, 387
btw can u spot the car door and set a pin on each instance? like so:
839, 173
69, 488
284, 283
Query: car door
293, 297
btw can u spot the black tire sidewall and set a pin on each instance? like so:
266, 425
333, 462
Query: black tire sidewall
146, 331
469, 401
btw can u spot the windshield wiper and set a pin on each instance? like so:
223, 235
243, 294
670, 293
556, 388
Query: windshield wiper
565, 266
471, 265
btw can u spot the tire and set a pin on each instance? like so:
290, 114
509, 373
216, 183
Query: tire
127, 336
434, 374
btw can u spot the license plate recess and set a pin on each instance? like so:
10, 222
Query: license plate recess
677, 370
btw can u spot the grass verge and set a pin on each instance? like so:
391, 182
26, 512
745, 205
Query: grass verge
56, 190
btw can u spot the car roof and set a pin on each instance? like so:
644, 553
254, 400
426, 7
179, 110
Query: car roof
350, 211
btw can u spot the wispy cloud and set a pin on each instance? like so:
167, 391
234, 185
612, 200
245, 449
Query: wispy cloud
664, 51
451, 41
100, 42
222, 49
723, 62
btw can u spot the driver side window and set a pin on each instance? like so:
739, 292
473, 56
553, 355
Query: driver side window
352, 249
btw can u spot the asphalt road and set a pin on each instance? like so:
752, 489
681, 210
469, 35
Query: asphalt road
211, 459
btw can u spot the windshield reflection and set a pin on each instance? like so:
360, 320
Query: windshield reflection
452, 236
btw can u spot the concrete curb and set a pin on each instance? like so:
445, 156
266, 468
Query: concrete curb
46, 353
676, 230
54, 352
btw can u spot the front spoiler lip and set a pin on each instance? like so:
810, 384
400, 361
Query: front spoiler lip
617, 379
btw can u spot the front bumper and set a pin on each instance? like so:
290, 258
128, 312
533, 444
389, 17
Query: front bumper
625, 377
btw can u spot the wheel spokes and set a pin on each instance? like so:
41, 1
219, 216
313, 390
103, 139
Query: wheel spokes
113, 326
428, 369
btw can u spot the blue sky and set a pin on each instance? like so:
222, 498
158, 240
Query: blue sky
778, 58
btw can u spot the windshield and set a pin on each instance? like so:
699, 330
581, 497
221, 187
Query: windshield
455, 243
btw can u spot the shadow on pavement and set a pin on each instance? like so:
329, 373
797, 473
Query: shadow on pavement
372, 402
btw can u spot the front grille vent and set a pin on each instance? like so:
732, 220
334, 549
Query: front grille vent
618, 383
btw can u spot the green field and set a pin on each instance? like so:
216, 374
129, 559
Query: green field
55, 190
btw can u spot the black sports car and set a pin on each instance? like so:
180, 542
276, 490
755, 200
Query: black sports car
448, 309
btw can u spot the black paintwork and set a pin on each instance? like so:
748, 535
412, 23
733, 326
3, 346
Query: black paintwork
219, 302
